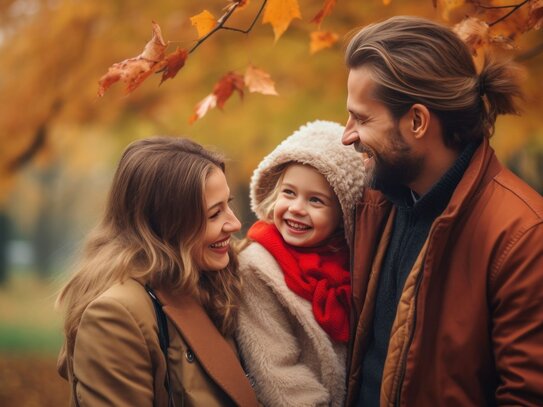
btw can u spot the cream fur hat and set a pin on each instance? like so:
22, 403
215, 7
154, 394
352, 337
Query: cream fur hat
317, 144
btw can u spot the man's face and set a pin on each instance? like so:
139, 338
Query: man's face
387, 156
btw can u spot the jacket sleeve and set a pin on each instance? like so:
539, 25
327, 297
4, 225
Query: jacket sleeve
270, 351
112, 363
517, 331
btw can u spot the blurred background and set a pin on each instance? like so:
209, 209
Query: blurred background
59, 142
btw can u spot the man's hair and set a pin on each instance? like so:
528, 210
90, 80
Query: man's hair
414, 60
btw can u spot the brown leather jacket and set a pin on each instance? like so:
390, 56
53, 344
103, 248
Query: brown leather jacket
117, 360
469, 326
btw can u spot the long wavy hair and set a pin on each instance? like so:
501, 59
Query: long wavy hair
414, 60
153, 222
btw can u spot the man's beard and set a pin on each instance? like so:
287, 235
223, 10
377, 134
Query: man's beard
393, 168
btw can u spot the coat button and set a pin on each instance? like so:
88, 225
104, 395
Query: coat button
189, 355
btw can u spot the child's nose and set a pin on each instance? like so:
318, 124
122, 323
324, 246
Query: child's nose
297, 207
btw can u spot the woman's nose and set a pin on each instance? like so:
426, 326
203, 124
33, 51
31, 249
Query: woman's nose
233, 224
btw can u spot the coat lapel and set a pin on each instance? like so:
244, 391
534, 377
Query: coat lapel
212, 350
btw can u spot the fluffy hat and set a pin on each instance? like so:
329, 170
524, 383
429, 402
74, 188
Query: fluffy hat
317, 144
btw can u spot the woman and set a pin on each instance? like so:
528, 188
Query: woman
157, 278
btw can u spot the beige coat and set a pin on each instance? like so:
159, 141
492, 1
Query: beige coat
289, 356
117, 360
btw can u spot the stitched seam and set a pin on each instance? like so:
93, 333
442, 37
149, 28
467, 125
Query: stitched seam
500, 261
521, 197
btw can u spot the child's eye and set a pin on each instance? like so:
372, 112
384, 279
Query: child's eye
314, 199
287, 191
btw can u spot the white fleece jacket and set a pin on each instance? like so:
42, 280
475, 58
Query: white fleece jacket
291, 358
283, 348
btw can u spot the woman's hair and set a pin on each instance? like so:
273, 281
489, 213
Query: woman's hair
153, 223
414, 60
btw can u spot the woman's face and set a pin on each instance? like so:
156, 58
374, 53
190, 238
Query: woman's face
220, 223
307, 210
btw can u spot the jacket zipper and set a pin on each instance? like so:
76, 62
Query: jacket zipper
411, 335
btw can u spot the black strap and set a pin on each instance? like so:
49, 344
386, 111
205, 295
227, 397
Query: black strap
163, 339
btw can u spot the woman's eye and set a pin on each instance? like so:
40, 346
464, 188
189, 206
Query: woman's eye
215, 215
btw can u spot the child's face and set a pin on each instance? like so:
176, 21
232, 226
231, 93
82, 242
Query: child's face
307, 210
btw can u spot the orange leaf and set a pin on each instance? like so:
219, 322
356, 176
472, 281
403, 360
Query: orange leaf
536, 15
279, 13
134, 71
226, 86
325, 11
259, 81
204, 23
321, 40
207, 103
222, 91
473, 32
173, 63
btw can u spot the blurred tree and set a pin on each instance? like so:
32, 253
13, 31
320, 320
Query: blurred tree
54, 52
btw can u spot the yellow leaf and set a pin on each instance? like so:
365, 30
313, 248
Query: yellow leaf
321, 40
259, 81
204, 23
279, 13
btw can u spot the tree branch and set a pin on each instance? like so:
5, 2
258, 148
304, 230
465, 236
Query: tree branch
224, 18
513, 7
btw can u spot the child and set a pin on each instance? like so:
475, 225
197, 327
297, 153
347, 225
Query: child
294, 317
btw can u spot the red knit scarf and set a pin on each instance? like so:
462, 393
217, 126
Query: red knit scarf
318, 274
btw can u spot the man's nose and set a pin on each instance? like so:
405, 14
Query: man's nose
349, 137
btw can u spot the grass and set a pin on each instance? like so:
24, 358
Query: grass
29, 324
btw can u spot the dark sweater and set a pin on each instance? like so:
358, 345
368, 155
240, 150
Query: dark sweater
410, 230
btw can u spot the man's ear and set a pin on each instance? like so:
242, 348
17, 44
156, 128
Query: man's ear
419, 120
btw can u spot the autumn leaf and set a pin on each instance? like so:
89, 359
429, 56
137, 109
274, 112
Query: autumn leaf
536, 15
134, 71
279, 13
259, 81
325, 11
222, 91
172, 63
208, 103
204, 23
321, 40
473, 32
226, 86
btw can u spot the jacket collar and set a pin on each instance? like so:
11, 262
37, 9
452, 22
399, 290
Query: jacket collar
212, 350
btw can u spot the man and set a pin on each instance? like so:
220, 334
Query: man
448, 256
